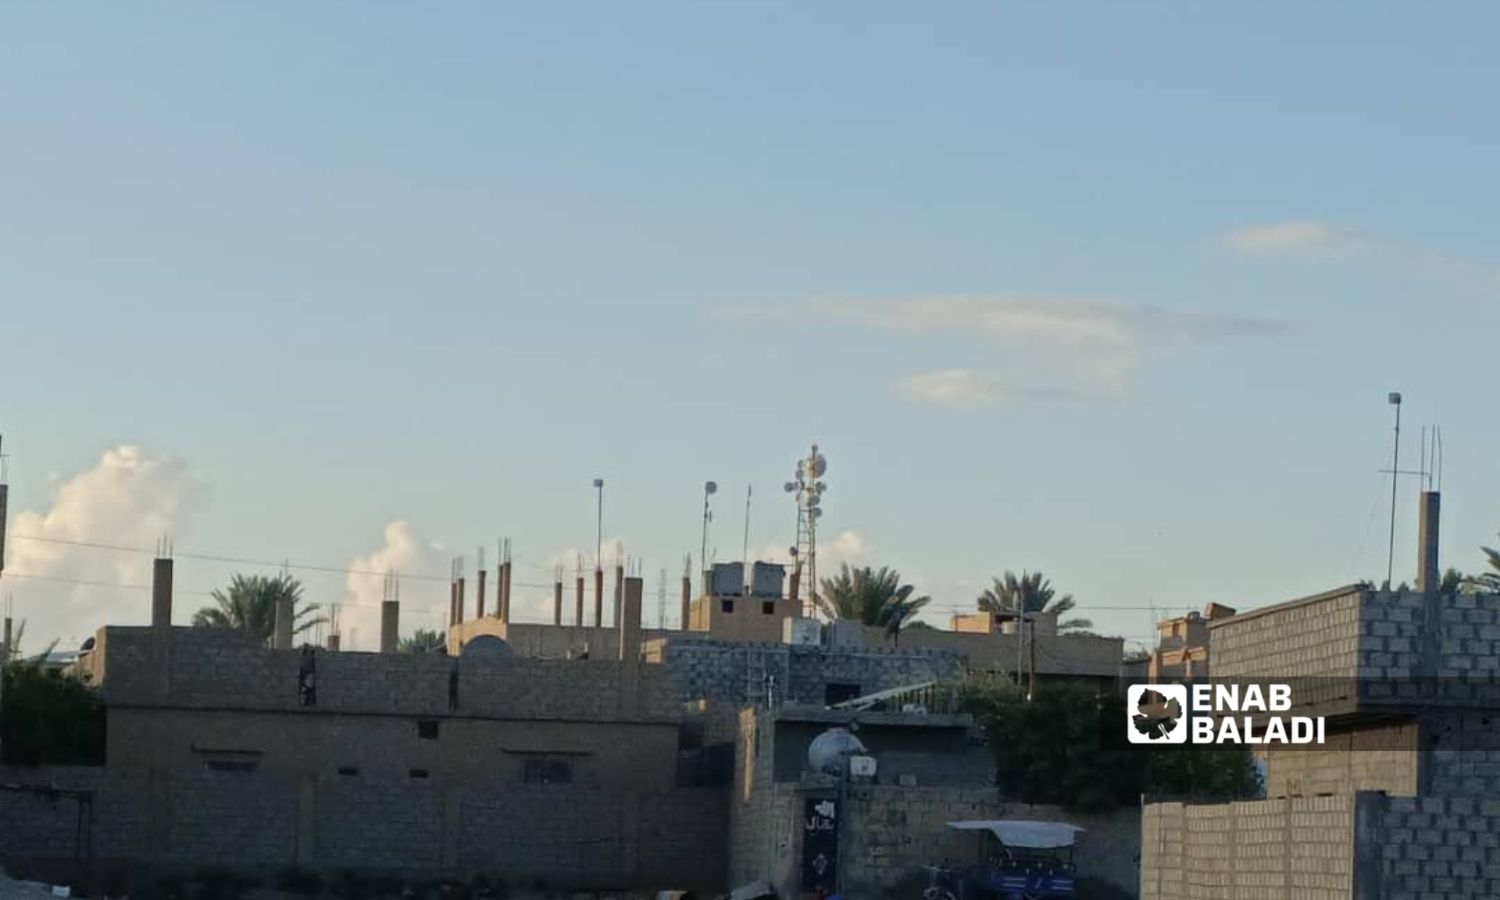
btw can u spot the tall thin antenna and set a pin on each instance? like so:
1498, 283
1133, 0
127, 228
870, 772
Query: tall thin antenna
1394, 399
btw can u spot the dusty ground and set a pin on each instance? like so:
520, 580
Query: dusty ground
21, 890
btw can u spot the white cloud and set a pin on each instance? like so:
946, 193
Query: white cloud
130, 498
951, 387
1294, 239
423, 604
1034, 348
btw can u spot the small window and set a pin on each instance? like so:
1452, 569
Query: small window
427, 729
768, 607
547, 770
726, 605
417, 773
348, 770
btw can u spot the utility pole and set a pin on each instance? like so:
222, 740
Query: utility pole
1394, 399
1031, 683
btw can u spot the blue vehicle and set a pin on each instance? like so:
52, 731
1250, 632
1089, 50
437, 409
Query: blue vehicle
1021, 860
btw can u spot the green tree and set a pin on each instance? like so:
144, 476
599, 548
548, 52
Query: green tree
872, 596
49, 718
1031, 593
424, 640
1053, 750
249, 605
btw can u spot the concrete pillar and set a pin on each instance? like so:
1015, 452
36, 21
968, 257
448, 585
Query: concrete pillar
598, 597
557, 602
390, 625
1429, 574
687, 601
333, 642
619, 589
281, 638
578, 613
452, 603
4, 501
459, 606
479, 597
505, 591
161, 593
629, 624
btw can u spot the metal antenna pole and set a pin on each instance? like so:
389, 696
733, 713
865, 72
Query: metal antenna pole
745, 547
1390, 559
599, 527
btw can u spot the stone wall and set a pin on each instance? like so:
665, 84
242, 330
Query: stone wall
1254, 850
1425, 848
1316, 637
566, 835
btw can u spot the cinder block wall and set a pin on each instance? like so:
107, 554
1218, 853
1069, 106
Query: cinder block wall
569, 836
1254, 850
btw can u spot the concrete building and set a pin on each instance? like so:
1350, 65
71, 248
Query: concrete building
1181, 652
931, 768
1404, 799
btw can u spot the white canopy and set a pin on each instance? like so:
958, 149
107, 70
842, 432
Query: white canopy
1023, 833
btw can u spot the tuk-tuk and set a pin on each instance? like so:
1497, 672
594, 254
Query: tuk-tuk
1021, 860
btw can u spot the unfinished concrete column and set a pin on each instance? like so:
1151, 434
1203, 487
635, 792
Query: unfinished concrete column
459, 606
161, 593
281, 638
1429, 575
629, 624
333, 642
578, 613
557, 602
598, 597
452, 603
390, 625
479, 595
505, 591
619, 591
687, 600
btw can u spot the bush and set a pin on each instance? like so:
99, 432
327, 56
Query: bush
50, 719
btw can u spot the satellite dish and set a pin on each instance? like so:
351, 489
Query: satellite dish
817, 512
792, 550
710, 487
598, 482
828, 750
789, 487
818, 465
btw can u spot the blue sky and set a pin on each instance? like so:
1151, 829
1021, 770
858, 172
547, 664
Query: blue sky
1116, 292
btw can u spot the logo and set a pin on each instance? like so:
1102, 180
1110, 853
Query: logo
1249, 714
1156, 713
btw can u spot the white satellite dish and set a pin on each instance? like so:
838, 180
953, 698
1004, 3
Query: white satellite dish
789, 487
817, 513
710, 487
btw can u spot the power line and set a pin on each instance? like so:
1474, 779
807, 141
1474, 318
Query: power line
204, 557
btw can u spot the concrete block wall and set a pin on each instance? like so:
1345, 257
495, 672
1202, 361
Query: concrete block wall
571, 836
1462, 756
1372, 758
206, 669
1316, 637
1253, 850
1431, 848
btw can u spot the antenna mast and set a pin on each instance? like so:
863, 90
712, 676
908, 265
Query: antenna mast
808, 490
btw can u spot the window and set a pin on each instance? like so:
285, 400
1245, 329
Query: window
427, 729
547, 770
838, 692
768, 607
726, 605
228, 760
348, 770
417, 773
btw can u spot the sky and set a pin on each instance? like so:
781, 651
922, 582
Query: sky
1112, 291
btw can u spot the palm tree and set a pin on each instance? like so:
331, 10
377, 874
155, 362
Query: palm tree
1487, 582
874, 597
249, 605
1031, 593
424, 640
